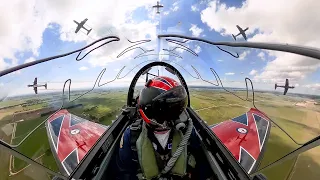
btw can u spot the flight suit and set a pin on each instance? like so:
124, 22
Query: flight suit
129, 168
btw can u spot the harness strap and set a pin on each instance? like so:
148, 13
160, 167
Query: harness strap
135, 130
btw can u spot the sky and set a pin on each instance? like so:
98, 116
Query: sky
37, 29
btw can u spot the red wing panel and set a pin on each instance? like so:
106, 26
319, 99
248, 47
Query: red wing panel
71, 137
245, 137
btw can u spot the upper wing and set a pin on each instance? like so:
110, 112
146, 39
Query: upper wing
285, 90
35, 81
244, 35
245, 137
35, 90
239, 28
78, 28
84, 21
70, 138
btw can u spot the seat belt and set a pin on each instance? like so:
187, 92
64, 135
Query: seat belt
135, 130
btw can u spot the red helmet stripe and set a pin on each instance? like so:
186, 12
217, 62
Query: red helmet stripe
172, 82
160, 85
164, 80
144, 117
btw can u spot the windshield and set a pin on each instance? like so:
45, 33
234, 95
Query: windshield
121, 37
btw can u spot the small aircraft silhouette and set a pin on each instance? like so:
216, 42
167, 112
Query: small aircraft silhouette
286, 87
242, 32
81, 25
158, 6
35, 85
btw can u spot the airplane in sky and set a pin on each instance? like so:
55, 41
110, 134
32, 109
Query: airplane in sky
242, 32
158, 6
286, 87
35, 85
81, 25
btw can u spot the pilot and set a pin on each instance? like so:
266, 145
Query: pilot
149, 144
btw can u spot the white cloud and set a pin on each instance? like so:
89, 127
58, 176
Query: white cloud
229, 73
299, 25
83, 68
22, 29
166, 13
194, 8
290, 66
3, 64
220, 60
197, 49
262, 56
243, 55
30, 59
253, 72
175, 6
315, 86
195, 30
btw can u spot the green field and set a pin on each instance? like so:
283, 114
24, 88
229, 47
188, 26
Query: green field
212, 106
299, 122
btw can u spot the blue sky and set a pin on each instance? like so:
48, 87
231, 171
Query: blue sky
214, 20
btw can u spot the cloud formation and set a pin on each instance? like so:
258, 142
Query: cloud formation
197, 49
196, 31
243, 55
175, 6
300, 23
30, 59
253, 72
194, 8
261, 55
22, 28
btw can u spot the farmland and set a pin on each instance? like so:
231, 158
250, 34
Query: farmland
297, 115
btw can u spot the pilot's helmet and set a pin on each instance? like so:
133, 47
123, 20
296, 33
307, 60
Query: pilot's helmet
161, 101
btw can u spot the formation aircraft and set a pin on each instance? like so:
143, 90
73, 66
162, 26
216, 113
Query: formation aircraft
233, 148
158, 6
242, 32
35, 85
286, 87
81, 25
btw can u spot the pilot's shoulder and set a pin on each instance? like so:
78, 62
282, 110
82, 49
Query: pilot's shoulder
127, 133
125, 138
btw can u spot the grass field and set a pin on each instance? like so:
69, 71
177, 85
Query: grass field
212, 106
300, 122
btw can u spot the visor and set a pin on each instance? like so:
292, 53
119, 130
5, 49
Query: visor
168, 105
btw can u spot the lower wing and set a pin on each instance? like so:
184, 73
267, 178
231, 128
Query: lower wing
35, 90
244, 35
285, 91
